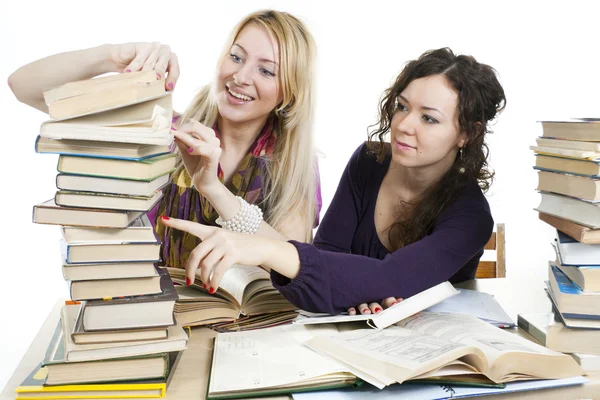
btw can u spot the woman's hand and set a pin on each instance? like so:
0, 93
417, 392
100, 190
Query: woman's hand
374, 308
218, 251
201, 151
133, 57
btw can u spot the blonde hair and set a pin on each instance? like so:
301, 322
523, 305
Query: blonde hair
291, 174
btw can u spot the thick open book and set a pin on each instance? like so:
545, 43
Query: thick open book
389, 316
244, 290
431, 342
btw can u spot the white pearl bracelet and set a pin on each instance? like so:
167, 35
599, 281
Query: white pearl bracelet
247, 220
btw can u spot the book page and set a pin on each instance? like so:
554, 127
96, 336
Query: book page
268, 358
478, 304
470, 331
237, 277
391, 355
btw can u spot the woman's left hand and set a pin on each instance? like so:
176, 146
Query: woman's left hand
201, 151
374, 308
218, 251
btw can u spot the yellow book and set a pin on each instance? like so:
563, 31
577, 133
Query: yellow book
32, 388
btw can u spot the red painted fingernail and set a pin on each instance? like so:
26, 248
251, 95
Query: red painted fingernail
191, 149
187, 281
377, 309
158, 76
204, 285
211, 290
127, 70
164, 218
170, 85
393, 303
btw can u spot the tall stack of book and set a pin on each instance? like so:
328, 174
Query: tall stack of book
119, 337
568, 164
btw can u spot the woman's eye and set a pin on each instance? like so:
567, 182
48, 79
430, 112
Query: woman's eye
266, 72
400, 106
429, 119
235, 58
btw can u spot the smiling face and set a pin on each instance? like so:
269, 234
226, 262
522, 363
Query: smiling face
248, 77
424, 129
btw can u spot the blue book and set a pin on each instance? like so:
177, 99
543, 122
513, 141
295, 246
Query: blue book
91, 148
570, 299
571, 252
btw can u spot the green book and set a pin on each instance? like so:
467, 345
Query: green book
128, 369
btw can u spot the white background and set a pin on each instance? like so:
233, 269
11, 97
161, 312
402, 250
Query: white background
545, 52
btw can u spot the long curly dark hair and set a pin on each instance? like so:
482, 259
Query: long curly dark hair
480, 99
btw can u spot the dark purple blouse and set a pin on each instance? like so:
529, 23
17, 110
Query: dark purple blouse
348, 264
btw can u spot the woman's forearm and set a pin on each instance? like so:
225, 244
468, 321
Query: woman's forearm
227, 207
280, 256
29, 81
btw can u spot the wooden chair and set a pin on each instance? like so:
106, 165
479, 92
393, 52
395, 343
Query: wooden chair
494, 269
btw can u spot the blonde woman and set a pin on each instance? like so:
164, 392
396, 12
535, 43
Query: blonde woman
245, 140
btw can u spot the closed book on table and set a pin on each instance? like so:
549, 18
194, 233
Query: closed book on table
132, 312
146, 169
85, 99
568, 144
176, 340
554, 335
95, 184
61, 372
80, 336
572, 321
147, 123
94, 148
107, 201
571, 252
90, 252
581, 233
572, 129
109, 288
89, 272
554, 163
588, 362
33, 388
571, 300
581, 187
582, 212
50, 213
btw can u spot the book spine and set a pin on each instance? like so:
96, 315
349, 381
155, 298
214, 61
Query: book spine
531, 329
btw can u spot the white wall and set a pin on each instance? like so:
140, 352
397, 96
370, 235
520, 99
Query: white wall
545, 52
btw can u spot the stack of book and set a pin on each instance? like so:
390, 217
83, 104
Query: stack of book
118, 336
568, 164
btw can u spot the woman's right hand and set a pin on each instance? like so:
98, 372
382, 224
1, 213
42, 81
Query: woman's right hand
374, 308
133, 57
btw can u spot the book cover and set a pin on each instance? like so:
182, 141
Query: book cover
391, 315
50, 213
134, 311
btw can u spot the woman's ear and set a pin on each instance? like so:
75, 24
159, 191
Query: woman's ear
462, 140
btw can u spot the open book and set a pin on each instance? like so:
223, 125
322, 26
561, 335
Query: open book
273, 361
391, 315
428, 343
244, 290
